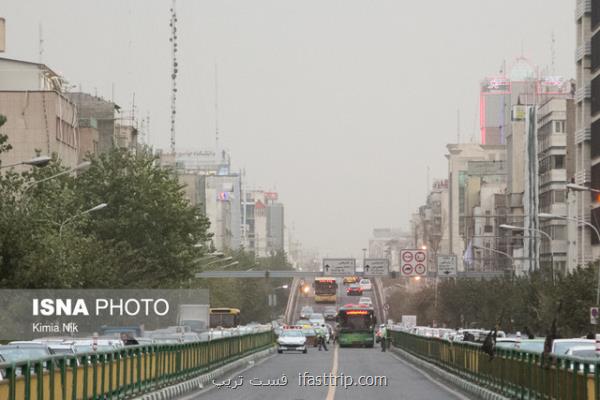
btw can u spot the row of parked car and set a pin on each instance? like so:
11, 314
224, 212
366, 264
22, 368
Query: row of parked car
578, 347
18, 351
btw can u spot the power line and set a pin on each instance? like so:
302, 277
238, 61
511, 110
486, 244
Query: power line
173, 40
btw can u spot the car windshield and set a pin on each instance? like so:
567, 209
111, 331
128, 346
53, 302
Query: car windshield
16, 354
62, 350
292, 333
563, 347
587, 353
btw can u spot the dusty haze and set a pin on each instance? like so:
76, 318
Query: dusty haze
338, 105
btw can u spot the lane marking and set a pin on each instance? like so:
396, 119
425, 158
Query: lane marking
429, 377
334, 370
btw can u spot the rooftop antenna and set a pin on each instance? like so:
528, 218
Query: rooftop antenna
457, 126
427, 191
173, 40
41, 42
553, 54
216, 107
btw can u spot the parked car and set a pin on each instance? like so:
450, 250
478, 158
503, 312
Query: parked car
587, 352
562, 346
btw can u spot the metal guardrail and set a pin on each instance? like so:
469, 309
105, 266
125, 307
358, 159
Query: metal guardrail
291, 304
123, 373
512, 373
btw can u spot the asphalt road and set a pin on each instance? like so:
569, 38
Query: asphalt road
397, 379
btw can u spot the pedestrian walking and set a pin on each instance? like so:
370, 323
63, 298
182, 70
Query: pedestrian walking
321, 339
383, 339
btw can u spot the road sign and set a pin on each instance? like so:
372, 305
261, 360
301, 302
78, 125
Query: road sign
414, 262
594, 314
339, 266
376, 266
446, 265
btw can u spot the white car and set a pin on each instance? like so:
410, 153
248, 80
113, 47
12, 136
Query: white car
365, 300
365, 284
291, 340
562, 346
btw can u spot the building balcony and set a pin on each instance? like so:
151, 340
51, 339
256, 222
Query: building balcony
553, 141
585, 50
583, 135
583, 177
583, 7
558, 246
583, 93
552, 176
558, 209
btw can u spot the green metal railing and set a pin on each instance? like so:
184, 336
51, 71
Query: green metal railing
123, 373
512, 373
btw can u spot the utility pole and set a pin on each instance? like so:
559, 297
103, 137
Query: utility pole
174, 72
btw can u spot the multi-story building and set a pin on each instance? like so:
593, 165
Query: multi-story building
263, 223
587, 134
100, 114
388, 242
485, 180
40, 118
211, 185
459, 156
554, 125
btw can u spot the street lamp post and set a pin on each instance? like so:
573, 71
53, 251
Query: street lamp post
38, 161
541, 232
553, 216
512, 259
68, 220
75, 168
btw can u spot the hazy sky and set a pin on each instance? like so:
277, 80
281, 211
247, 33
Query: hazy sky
338, 105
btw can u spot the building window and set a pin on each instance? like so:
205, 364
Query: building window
559, 162
595, 95
595, 14
595, 52
596, 223
595, 139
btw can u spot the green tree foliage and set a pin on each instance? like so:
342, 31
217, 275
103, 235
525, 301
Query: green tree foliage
531, 302
249, 295
144, 238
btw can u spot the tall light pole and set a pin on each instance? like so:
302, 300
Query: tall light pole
553, 216
511, 258
39, 161
76, 168
71, 219
541, 232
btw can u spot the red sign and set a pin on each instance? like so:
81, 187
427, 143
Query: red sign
420, 269
414, 262
407, 256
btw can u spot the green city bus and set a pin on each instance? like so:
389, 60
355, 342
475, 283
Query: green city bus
356, 326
